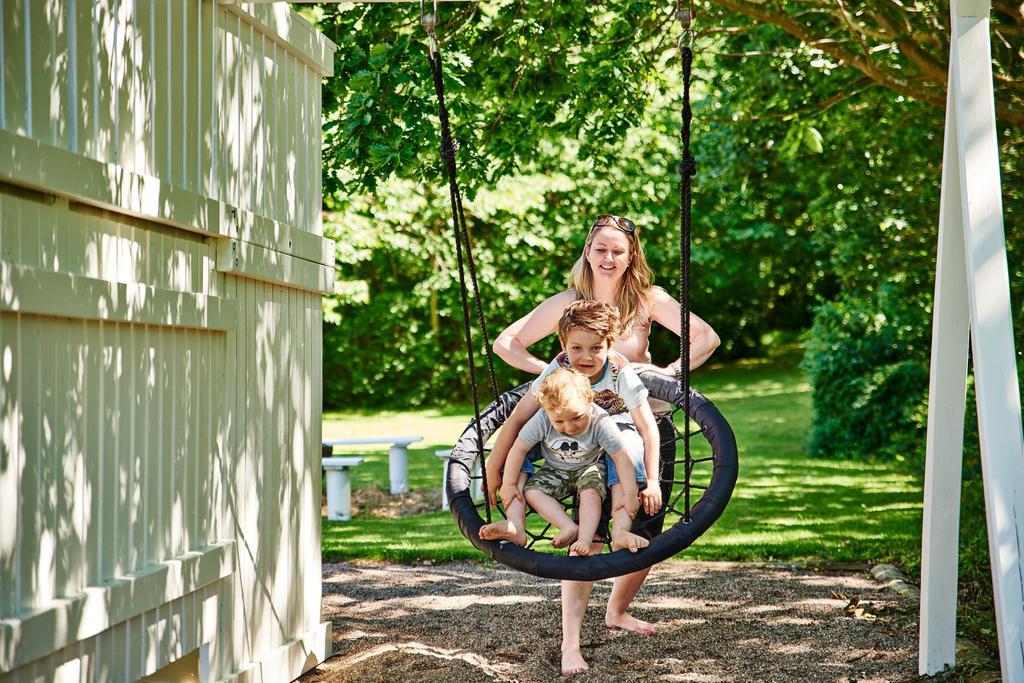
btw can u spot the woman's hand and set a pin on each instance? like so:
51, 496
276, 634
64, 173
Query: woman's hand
651, 498
510, 492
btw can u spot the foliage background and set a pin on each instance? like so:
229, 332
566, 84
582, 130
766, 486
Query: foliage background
815, 204
818, 132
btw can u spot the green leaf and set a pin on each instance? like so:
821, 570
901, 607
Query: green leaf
812, 139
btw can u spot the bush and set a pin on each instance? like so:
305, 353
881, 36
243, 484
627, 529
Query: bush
867, 362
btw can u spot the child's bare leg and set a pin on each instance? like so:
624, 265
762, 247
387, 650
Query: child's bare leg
625, 539
590, 514
552, 511
513, 527
622, 537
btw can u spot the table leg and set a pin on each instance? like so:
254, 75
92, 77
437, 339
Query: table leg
398, 469
477, 483
444, 485
339, 495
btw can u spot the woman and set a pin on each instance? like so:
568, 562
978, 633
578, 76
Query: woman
612, 269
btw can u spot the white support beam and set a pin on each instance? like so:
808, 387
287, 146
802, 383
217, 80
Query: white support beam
974, 204
947, 392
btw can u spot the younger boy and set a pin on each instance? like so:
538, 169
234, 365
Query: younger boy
587, 330
574, 435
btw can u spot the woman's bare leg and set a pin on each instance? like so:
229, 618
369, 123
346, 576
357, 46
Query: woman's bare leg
624, 589
575, 596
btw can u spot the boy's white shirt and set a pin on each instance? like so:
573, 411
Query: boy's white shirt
618, 390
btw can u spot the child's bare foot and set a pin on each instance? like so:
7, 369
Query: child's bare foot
503, 531
628, 623
629, 541
573, 662
566, 535
582, 547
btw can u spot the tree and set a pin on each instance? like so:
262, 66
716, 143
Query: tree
817, 181
902, 47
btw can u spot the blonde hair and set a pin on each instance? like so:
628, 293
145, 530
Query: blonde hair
634, 297
596, 317
561, 387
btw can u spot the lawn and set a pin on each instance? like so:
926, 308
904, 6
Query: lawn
786, 506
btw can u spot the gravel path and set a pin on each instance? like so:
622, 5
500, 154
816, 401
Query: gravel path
716, 622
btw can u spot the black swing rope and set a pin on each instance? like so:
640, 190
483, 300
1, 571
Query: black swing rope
462, 243
695, 519
687, 169
448, 150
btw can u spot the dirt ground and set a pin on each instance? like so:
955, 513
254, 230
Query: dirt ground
716, 622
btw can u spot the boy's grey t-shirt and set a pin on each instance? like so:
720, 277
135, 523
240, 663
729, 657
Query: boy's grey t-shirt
573, 452
619, 390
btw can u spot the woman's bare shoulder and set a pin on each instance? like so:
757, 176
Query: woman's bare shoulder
661, 300
664, 308
658, 294
562, 299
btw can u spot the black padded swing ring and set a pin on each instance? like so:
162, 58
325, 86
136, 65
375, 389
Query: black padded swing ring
703, 513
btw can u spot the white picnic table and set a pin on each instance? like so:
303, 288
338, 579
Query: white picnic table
398, 456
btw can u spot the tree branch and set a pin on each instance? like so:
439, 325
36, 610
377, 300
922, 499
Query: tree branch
929, 88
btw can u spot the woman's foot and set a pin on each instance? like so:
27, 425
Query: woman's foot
631, 624
629, 541
573, 663
565, 535
503, 531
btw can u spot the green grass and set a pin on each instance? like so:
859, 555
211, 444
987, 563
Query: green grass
786, 506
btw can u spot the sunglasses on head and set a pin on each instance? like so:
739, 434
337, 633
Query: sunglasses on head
609, 220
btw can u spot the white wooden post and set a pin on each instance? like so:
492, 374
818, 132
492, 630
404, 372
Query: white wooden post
476, 490
398, 468
972, 208
339, 487
946, 405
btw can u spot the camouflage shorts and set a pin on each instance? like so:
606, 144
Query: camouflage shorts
560, 483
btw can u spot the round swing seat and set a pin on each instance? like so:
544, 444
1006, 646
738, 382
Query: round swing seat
703, 513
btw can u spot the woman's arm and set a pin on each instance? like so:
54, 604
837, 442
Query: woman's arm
521, 414
512, 344
703, 340
643, 418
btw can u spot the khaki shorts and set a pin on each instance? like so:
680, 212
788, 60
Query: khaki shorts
560, 483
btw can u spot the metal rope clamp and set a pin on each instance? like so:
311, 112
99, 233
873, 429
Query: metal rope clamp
429, 23
685, 16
